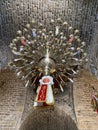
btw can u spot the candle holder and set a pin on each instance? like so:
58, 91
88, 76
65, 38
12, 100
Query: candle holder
55, 51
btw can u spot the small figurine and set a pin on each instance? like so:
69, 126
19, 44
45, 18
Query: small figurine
23, 41
44, 92
94, 100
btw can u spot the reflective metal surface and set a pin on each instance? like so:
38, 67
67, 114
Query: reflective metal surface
55, 50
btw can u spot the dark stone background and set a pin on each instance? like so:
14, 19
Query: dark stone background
81, 14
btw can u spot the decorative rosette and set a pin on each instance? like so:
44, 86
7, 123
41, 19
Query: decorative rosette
54, 49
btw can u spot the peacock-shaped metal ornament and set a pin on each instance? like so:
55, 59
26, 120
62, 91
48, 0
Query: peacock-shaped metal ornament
48, 57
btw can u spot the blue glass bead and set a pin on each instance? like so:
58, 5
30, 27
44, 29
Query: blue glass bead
34, 33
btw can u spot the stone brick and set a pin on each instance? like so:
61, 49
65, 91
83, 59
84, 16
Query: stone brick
11, 100
87, 119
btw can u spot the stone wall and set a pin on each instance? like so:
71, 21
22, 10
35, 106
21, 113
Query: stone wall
87, 118
12, 99
14, 14
93, 56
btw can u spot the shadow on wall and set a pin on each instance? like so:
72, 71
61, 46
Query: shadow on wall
48, 119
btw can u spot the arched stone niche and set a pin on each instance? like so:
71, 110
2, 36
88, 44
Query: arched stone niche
48, 119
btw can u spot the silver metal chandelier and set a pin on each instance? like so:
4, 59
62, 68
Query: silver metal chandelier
42, 51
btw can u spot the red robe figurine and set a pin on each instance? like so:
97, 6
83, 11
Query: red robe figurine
44, 92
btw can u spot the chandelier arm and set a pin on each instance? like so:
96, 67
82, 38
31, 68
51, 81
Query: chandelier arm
61, 88
68, 78
53, 50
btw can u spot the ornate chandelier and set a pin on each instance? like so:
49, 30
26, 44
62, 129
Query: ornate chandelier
49, 55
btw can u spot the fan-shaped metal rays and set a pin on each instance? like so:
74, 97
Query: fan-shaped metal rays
54, 50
